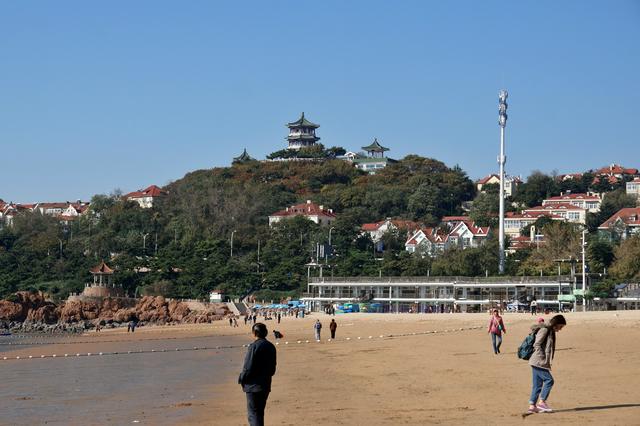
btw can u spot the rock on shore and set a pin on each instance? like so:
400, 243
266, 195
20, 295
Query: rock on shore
31, 311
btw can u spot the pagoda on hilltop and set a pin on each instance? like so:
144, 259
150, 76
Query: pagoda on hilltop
374, 160
243, 158
375, 150
302, 133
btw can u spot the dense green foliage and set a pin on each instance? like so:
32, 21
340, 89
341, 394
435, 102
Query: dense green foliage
211, 231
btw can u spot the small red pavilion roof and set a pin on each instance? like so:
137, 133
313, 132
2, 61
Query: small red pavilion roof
102, 268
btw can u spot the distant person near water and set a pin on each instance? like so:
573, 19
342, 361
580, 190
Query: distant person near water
257, 371
544, 349
317, 327
332, 327
496, 328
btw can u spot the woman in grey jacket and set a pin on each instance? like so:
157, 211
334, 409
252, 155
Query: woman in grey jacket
543, 350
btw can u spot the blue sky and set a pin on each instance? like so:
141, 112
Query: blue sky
97, 96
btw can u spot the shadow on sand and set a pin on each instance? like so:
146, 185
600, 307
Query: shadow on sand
596, 407
592, 408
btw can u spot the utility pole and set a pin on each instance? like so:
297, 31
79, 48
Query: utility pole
258, 262
584, 270
502, 121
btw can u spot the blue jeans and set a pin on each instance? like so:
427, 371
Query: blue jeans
496, 340
542, 384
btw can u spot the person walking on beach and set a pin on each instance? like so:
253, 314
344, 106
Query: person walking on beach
544, 349
317, 327
278, 317
332, 327
534, 307
496, 328
257, 371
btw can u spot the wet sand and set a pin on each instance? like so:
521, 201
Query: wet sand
442, 378
161, 388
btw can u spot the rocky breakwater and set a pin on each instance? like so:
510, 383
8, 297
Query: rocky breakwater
30, 311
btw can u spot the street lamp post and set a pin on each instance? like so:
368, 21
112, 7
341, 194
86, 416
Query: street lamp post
584, 270
144, 243
502, 121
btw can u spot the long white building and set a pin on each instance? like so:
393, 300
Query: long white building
424, 294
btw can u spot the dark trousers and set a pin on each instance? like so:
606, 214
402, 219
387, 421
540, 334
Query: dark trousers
333, 334
256, 402
496, 340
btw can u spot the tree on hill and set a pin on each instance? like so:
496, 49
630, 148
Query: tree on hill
537, 187
562, 241
612, 202
627, 259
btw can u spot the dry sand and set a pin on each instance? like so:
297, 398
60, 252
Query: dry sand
443, 378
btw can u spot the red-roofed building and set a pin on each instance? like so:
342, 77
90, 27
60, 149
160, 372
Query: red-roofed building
562, 211
427, 241
467, 234
510, 183
311, 211
617, 171
514, 223
463, 235
589, 201
624, 223
377, 229
146, 197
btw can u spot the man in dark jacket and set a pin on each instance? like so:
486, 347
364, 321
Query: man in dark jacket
255, 378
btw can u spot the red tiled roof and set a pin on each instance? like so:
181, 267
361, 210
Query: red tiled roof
616, 169
398, 223
555, 206
630, 216
580, 196
475, 230
455, 218
304, 209
151, 191
102, 268
434, 235
531, 215
487, 178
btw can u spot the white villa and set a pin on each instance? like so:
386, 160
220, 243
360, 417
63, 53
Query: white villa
313, 212
589, 201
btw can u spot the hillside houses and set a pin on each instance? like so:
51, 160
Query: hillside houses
511, 183
314, 212
623, 224
633, 188
377, 230
463, 234
146, 197
589, 201
64, 211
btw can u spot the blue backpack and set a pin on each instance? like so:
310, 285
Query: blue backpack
526, 348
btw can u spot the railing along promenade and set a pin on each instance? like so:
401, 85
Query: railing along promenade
535, 279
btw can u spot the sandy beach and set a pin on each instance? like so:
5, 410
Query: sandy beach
448, 377
443, 378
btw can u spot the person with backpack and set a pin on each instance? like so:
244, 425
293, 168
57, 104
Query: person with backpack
317, 327
544, 348
496, 328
